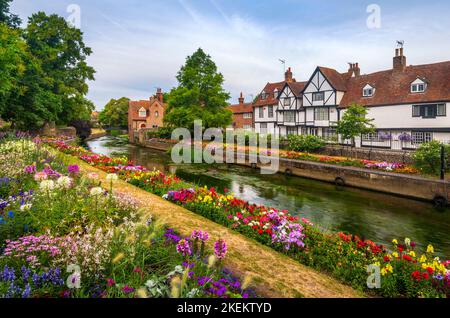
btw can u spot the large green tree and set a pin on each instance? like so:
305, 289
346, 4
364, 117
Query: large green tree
7, 17
62, 54
115, 113
354, 122
199, 95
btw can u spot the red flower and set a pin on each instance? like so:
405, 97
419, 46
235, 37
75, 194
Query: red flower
260, 232
425, 275
407, 258
416, 275
430, 270
387, 259
400, 249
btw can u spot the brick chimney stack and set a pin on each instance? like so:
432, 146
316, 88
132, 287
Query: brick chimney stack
399, 60
241, 99
354, 69
159, 94
288, 76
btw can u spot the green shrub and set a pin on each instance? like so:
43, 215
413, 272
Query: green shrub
428, 157
305, 143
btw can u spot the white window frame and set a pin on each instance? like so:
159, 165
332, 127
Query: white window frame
418, 88
368, 91
248, 115
314, 97
289, 117
261, 112
270, 111
420, 137
142, 113
287, 101
321, 114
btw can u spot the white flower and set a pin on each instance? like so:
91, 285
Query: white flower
112, 177
25, 207
407, 241
96, 191
47, 185
64, 182
92, 176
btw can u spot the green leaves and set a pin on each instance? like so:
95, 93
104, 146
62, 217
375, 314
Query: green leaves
428, 157
199, 96
355, 123
115, 113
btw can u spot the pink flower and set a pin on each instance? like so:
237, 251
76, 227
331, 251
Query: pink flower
110, 282
220, 249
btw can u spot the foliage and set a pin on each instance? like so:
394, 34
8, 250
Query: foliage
115, 113
199, 95
354, 123
161, 133
11, 20
428, 157
305, 143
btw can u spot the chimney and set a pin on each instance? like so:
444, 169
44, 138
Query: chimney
241, 99
399, 60
159, 94
354, 69
288, 76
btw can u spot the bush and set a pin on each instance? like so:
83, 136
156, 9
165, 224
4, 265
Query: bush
305, 143
162, 133
428, 157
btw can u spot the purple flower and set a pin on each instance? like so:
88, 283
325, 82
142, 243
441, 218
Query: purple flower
188, 265
200, 235
184, 248
127, 289
220, 249
74, 169
30, 169
27, 291
171, 237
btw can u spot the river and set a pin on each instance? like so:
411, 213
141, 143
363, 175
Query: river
376, 216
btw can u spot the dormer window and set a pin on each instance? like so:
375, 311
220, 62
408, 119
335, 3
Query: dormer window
263, 95
142, 112
368, 91
418, 86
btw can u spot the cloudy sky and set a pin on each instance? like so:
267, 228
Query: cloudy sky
140, 44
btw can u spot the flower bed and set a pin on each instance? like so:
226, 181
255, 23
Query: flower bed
63, 234
404, 270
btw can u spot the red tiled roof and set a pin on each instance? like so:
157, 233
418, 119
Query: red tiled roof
297, 88
241, 108
336, 79
135, 106
394, 87
270, 99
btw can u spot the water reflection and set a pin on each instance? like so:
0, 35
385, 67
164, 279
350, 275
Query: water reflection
369, 214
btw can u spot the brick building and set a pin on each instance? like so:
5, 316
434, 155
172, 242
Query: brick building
145, 114
242, 114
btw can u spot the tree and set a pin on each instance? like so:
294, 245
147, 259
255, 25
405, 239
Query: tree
115, 113
428, 157
62, 54
199, 95
6, 17
354, 123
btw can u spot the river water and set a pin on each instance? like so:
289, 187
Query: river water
371, 215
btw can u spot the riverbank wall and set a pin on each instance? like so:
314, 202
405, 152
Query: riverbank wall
410, 186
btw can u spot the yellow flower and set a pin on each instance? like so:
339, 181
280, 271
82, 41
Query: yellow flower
389, 268
395, 254
430, 249
383, 271
412, 253
423, 259
394, 241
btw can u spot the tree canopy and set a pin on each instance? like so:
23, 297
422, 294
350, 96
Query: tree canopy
6, 17
115, 113
354, 123
199, 95
43, 71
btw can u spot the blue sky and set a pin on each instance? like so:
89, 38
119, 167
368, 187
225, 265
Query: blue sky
140, 44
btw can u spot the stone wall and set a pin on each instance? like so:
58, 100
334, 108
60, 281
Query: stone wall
369, 154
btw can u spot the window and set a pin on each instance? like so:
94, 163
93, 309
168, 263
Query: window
261, 112
247, 126
321, 114
275, 93
289, 117
248, 115
142, 112
291, 131
318, 97
420, 137
156, 114
368, 91
263, 95
287, 101
263, 128
418, 88
329, 133
270, 110
429, 110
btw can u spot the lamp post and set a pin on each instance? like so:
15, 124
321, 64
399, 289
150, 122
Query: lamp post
442, 162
